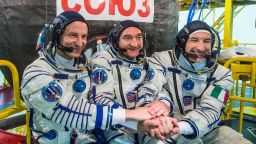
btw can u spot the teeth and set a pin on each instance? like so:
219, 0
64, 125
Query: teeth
199, 53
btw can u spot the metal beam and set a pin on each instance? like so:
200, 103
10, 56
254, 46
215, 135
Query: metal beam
228, 24
185, 4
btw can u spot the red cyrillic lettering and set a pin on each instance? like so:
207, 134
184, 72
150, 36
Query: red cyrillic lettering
147, 11
121, 9
64, 4
89, 9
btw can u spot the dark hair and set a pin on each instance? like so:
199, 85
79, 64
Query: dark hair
115, 35
61, 21
118, 29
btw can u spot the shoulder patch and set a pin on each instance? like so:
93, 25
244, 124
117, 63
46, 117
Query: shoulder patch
99, 76
52, 92
220, 94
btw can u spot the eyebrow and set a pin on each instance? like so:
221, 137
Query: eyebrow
199, 38
75, 33
139, 34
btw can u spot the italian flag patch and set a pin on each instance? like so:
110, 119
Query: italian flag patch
220, 94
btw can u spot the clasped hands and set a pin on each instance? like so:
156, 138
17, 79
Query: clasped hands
159, 125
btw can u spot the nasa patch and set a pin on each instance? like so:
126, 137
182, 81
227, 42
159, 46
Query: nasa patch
52, 92
99, 76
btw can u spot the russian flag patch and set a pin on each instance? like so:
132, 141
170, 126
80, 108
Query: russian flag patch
220, 94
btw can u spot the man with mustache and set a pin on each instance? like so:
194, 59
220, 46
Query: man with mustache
118, 72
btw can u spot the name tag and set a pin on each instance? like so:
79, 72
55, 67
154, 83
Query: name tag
82, 75
138, 66
202, 77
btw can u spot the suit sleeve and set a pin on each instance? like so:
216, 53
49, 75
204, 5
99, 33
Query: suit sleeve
62, 106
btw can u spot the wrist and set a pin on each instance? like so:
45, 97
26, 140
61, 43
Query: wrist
128, 114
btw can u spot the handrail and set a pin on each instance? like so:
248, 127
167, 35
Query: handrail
246, 74
18, 105
243, 59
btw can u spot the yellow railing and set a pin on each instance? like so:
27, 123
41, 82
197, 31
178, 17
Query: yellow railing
243, 69
18, 104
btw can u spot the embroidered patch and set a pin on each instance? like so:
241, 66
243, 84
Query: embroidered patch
52, 92
99, 76
131, 97
220, 94
150, 74
187, 100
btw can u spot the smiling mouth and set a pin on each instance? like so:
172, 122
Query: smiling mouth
76, 49
133, 49
194, 56
199, 53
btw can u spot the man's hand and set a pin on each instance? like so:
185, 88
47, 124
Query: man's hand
138, 114
166, 128
145, 126
158, 108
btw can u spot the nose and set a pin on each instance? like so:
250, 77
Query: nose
201, 46
81, 42
134, 42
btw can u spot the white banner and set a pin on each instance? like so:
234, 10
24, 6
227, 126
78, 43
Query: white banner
118, 10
